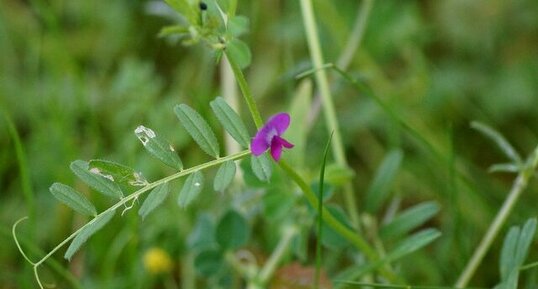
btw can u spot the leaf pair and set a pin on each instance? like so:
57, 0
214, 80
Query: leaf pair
514, 252
201, 132
504, 146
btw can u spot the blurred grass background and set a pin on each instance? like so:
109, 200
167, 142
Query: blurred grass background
76, 78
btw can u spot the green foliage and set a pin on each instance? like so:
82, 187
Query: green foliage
231, 122
379, 189
409, 220
224, 176
191, 189
154, 199
262, 167
73, 199
198, 128
78, 76
203, 235
120, 173
87, 231
232, 231
158, 147
501, 142
239, 52
102, 183
208, 262
514, 252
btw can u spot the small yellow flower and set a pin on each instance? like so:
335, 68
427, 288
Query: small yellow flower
157, 261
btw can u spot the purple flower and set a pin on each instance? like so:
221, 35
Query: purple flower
269, 136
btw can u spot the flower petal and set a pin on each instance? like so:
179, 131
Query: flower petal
279, 121
259, 143
284, 142
276, 148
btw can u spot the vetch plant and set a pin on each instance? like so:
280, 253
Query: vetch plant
224, 246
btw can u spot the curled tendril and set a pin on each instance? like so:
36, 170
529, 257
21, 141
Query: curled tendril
128, 207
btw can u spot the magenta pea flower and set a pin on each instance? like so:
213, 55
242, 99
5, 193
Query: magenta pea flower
269, 136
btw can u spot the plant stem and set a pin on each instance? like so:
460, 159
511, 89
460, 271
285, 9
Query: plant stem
328, 106
518, 187
328, 218
229, 93
357, 34
247, 94
276, 256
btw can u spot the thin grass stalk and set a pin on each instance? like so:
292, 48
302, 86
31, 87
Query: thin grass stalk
328, 105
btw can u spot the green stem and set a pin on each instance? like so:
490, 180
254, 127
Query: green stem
270, 266
229, 93
328, 218
328, 106
247, 94
518, 187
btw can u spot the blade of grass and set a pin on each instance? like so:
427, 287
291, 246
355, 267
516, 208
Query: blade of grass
26, 183
320, 213
328, 105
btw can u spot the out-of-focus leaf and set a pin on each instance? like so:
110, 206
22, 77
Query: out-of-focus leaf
239, 53
191, 189
198, 128
514, 252
173, 30
154, 199
380, 187
238, 25
231, 122
73, 199
158, 147
232, 231
203, 234
499, 139
338, 175
262, 167
208, 262
504, 168
409, 220
185, 9
278, 203
413, 243
224, 176
121, 174
93, 226
101, 183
